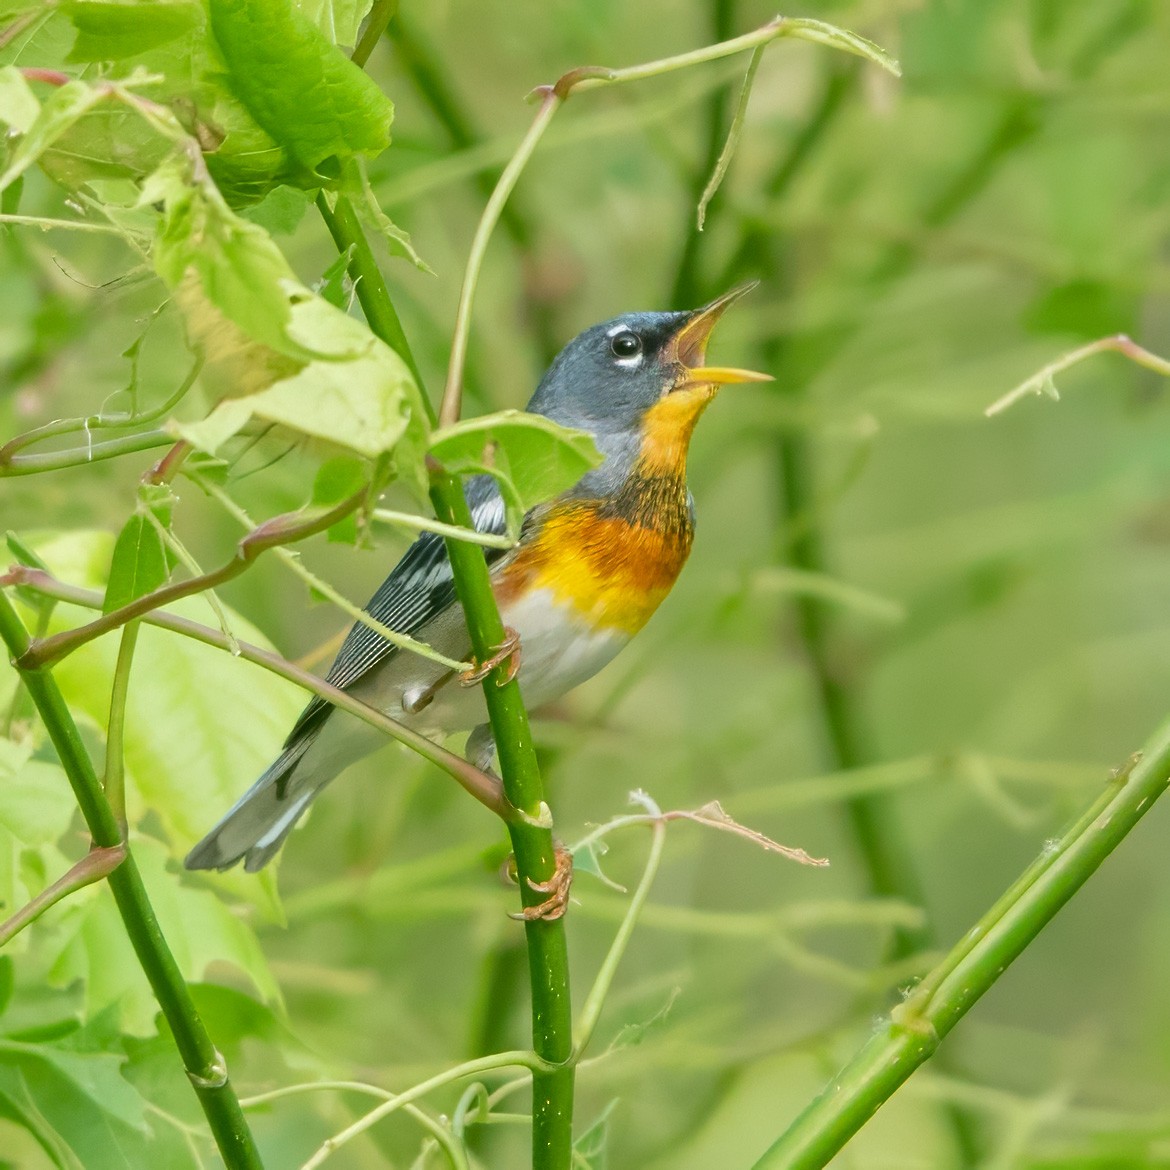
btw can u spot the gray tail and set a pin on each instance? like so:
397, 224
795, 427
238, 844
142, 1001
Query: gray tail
257, 824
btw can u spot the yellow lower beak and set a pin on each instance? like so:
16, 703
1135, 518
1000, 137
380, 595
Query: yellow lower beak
720, 376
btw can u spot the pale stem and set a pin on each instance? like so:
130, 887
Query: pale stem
1042, 381
551, 97
423, 524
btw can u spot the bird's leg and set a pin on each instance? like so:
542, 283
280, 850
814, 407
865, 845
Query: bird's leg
508, 649
557, 887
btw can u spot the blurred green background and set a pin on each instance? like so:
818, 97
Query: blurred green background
909, 638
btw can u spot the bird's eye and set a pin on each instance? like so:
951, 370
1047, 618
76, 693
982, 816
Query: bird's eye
626, 345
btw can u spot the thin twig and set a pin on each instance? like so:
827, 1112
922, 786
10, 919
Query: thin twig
1042, 382
485, 788
271, 534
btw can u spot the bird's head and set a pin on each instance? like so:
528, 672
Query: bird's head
640, 376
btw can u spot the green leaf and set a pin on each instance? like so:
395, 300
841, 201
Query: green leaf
359, 395
221, 266
115, 31
297, 85
7, 982
36, 810
201, 930
200, 724
280, 211
333, 285
337, 479
139, 564
532, 457
356, 184
19, 107
63, 107
339, 20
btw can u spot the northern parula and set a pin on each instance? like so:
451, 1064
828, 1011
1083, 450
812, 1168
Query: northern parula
589, 569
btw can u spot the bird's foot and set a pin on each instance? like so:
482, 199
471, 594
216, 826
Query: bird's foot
557, 888
507, 651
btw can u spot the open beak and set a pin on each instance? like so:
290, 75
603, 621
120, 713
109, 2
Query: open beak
688, 347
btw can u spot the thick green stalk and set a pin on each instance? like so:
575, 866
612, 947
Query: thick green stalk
205, 1067
915, 1029
532, 843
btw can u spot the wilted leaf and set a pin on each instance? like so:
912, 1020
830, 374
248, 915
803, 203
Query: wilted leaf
713, 816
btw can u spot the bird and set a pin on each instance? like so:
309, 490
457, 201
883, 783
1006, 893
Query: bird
588, 570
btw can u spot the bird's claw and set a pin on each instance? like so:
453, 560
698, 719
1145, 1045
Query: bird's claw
507, 651
557, 887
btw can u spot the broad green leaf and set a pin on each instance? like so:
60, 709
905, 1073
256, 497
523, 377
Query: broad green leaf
19, 107
532, 457
108, 31
297, 85
36, 810
36, 804
362, 404
200, 726
360, 395
221, 266
201, 930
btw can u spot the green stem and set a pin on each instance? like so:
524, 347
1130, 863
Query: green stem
430, 78
380, 16
915, 1029
552, 97
205, 1067
532, 844
73, 426
687, 281
82, 456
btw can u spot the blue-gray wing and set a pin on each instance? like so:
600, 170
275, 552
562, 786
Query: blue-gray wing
419, 588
